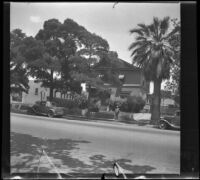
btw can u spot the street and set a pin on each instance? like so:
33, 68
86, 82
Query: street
91, 147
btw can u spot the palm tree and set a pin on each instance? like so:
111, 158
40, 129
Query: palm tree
153, 52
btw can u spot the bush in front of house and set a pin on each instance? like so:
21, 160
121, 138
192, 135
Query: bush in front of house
93, 108
81, 101
139, 103
66, 103
74, 111
133, 104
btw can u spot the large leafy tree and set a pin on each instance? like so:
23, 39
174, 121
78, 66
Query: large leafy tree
18, 70
71, 34
82, 52
45, 67
42, 55
66, 44
153, 52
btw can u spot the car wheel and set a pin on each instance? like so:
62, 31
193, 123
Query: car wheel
50, 114
162, 125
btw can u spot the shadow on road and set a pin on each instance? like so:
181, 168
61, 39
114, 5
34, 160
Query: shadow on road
26, 151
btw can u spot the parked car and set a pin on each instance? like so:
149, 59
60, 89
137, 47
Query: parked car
40, 108
21, 108
170, 122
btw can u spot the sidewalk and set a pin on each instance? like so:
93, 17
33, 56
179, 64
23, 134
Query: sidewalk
141, 120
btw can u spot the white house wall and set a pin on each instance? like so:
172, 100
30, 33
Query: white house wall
31, 97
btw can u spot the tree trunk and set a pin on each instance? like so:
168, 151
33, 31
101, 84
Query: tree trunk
155, 107
89, 90
51, 87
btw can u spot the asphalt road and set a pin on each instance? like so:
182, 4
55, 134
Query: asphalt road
82, 146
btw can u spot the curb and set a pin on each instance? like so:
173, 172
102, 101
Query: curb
119, 125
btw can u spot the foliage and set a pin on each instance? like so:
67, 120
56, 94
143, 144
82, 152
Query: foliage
166, 94
102, 95
81, 101
74, 111
81, 49
154, 53
18, 70
67, 103
174, 83
110, 61
51, 55
55, 48
152, 49
93, 108
133, 104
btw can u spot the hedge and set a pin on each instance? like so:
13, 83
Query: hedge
133, 104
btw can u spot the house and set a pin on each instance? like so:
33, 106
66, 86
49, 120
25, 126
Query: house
36, 93
133, 81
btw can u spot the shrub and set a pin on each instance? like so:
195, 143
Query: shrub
74, 111
67, 103
93, 108
133, 104
81, 101
124, 107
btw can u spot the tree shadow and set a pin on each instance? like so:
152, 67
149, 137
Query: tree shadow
100, 162
26, 152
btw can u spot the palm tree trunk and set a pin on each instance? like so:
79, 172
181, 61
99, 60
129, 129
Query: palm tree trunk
155, 109
89, 90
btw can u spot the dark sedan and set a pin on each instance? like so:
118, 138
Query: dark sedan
40, 108
170, 122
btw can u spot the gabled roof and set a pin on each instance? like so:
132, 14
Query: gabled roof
116, 64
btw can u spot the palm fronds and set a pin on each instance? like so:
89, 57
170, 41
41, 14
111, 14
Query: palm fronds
152, 49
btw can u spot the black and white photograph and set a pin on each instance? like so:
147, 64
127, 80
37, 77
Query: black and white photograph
95, 88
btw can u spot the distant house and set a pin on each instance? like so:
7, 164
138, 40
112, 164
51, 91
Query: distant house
167, 102
133, 81
36, 93
166, 98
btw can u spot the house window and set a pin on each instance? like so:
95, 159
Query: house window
101, 75
121, 76
36, 91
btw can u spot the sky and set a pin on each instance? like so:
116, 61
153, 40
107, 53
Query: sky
113, 24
